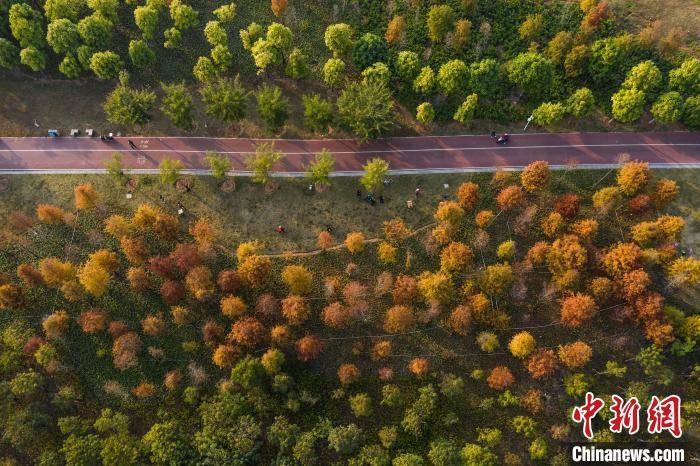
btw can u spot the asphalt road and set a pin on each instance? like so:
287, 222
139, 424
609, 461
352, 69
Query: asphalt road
429, 153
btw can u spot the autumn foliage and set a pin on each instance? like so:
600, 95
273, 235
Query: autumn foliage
309, 348
510, 197
535, 176
468, 195
542, 363
500, 378
577, 309
575, 355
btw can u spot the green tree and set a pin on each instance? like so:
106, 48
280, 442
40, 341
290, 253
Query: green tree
444, 453
369, 49
184, 16
64, 9
262, 162
169, 171
366, 109
9, 54
417, 416
375, 172
425, 113
105, 65
485, 78
225, 100
408, 459
173, 38
691, 112
167, 444
219, 164
215, 34
533, 73
62, 35
146, 19
532, 27
127, 106
273, 107
668, 108
465, 112
95, 31
70, 66
407, 65
333, 72
204, 70
141, 54
318, 172
82, 449
105, 8
115, 168
339, 39
473, 454
345, 440
226, 13
297, 65
318, 112
425, 82
609, 60
453, 77
221, 57
26, 25
32, 58
250, 35
645, 77
440, 21
177, 104
628, 105
581, 103
686, 78
121, 450
559, 47
378, 73
549, 113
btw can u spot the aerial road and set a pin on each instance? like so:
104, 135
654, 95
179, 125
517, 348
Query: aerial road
405, 154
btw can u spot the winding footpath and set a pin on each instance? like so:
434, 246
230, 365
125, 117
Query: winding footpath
405, 154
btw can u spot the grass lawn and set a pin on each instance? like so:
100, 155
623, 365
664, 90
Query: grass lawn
248, 212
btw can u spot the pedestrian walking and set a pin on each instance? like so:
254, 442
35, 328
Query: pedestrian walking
359, 194
131, 144
381, 199
329, 229
417, 192
281, 229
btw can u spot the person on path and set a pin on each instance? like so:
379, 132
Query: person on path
131, 144
281, 229
359, 194
381, 199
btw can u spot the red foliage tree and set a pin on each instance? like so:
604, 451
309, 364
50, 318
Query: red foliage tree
213, 333
634, 283
138, 279
500, 378
93, 321
542, 363
405, 289
229, 281
461, 319
172, 292
186, 256
247, 332
29, 275
163, 267
640, 204
309, 348
295, 309
348, 373
125, 350
510, 197
568, 205
577, 309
